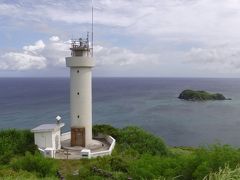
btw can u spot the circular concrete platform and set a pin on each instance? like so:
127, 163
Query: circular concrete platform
69, 152
94, 146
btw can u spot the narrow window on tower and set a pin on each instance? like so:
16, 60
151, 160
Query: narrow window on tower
77, 71
78, 93
78, 116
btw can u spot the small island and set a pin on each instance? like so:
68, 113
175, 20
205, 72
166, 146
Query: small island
191, 95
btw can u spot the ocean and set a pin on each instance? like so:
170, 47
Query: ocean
150, 103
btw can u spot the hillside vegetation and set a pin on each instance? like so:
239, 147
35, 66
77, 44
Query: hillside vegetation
138, 155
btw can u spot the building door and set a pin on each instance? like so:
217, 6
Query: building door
78, 137
57, 139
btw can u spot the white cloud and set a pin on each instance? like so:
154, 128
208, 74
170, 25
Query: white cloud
37, 56
204, 20
30, 58
121, 56
225, 57
21, 61
54, 38
198, 27
6, 9
52, 53
36, 48
152, 15
56, 51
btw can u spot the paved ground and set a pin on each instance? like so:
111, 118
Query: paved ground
68, 152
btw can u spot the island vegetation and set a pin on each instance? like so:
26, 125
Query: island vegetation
138, 155
191, 95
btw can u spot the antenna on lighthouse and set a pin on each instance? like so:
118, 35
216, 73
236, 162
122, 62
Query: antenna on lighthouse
92, 28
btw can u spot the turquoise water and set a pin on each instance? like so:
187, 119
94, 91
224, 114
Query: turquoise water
150, 103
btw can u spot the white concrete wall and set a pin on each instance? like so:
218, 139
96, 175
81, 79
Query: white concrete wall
81, 94
43, 139
79, 61
47, 139
56, 137
111, 141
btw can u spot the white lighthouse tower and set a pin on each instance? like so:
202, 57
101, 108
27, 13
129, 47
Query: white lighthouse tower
48, 137
79, 143
81, 64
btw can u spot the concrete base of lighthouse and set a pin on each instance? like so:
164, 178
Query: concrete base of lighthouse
99, 146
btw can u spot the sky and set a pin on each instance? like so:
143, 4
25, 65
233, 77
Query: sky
132, 38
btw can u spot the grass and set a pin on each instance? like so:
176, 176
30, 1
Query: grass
137, 154
67, 167
225, 173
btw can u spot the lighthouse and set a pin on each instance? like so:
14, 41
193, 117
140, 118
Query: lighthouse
79, 142
80, 63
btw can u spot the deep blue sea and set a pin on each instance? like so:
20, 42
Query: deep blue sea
150, 103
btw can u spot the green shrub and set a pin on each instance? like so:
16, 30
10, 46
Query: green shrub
137, 154
8, 173
15, 142
154, 167
35, 163
210, 159
142, 141
225, 174
135, 138
118, 164
120, 176
84, 171
195, 165
128, 154
105, 129
6, 157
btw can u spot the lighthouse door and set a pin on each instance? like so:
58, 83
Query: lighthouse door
78, 137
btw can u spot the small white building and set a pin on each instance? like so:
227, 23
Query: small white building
48, 136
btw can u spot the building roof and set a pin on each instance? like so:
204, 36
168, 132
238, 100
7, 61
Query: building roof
47, 127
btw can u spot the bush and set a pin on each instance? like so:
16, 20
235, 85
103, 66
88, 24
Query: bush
10, 174
84, 171
137, 154
154, 167
35, 163
118, 164
210, 159
195, 165
106, 129
142, 141
134, 138
15, 142
225, 173
6, 157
